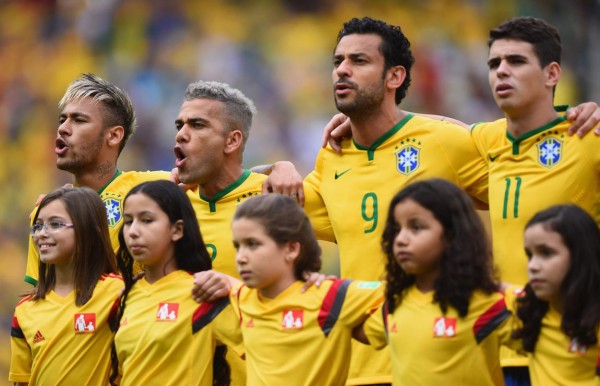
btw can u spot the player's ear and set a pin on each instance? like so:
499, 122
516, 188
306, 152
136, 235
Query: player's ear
114, 135
233, 141
552, 71
395, 76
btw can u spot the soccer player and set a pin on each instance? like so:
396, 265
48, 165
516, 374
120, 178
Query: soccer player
533, 162
213, 126
96, 120
389, 149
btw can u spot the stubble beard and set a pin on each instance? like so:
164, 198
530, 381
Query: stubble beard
366, 100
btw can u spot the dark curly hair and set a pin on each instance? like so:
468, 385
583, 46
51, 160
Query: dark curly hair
465, 265
284, 220
190, 255
394, 47
580, 288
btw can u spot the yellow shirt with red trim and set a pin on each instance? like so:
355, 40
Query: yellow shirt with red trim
429, 348
215, 215
303, 338
55, 342
557, 358
357, 186
541, 168
112, 195
165, 337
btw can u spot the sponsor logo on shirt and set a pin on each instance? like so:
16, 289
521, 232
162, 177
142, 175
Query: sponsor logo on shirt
38, 337
444, 327
549, 151
85, 323
250, 323
394, 329
167, 312
408, 159
293, 319
576, 347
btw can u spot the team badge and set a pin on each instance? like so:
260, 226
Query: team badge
549, 151
293, 319
113, 211
407, 159
167, 312
444, 327
576, 347
85, 323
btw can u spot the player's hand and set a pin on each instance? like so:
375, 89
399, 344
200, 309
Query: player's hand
284, 179
584, 118
335, 131
210, 286
175, 178
316, 279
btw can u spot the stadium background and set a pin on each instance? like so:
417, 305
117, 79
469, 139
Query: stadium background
278, 52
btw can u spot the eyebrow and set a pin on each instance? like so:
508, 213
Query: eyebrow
508, 57
74, 114
191, 121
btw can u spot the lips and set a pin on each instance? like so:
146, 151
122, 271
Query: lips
503, 89
135, 249
342, 88
180, 156
245, 275
61, 146
42, 248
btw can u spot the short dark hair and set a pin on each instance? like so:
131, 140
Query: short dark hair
116, 105
466, 263
543, 36
394, 47
284, 220
579, 290
93, 255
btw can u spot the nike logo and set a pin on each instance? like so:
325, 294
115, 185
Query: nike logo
341, 174
492, 159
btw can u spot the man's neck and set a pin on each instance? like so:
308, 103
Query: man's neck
520, 124
96, 178
226, 177
369, 127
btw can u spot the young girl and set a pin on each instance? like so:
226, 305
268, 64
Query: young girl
60, 333
292, 338
164, 336
560, 307
446, 316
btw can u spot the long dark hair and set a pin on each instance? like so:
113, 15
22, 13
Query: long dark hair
93, 255
284, 220
190, 255
581, 285
465, 265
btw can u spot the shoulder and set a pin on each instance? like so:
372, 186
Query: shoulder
24, 300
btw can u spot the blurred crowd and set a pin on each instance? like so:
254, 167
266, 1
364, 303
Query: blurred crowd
277, 51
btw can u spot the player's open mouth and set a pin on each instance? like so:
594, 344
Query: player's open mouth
61, 146
179, 156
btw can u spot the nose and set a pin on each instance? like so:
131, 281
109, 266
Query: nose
240, 256
342, 70
182, 134
533, 264
64, 128
503, 68
130, 230
401, 237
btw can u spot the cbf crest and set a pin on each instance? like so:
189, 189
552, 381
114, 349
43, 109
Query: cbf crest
113, 211
549, 151
408, 159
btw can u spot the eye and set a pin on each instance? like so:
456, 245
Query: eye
36, 228
55, 225
178, 125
